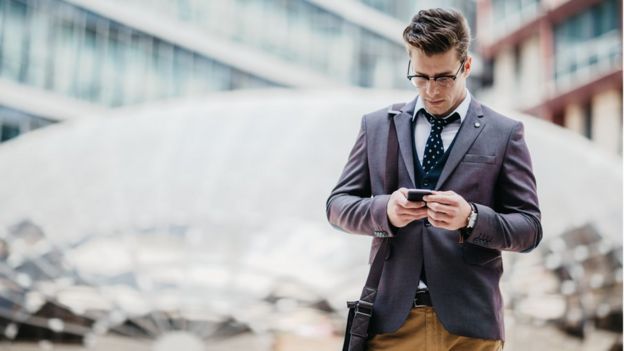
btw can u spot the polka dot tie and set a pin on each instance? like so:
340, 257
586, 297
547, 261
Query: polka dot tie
434, 149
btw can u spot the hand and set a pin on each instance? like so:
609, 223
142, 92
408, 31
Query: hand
401, 211
447, 209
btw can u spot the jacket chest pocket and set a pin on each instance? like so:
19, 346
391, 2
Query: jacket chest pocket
475, 158
475, 176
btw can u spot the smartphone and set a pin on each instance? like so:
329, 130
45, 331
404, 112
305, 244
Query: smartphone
417, 194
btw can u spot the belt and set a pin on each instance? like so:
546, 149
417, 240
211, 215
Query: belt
422, 299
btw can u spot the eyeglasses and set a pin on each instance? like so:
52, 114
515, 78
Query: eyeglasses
420, 80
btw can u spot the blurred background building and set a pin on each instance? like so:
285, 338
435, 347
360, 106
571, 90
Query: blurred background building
560, 60
60, 59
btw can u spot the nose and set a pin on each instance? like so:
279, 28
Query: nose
431, 87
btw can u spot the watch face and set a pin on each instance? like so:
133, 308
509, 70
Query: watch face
472, 219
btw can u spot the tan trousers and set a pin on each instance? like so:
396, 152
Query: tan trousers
422, 331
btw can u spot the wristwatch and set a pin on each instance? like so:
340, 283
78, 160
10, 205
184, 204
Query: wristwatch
470, 223
472, 218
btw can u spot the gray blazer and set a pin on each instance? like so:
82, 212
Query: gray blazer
489, 165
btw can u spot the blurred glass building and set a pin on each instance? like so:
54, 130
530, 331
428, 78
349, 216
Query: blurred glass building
557, 59
76, 57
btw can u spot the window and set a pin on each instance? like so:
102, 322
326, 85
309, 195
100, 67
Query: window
587, 116
8, 131
487, 78
517, 54
586, 41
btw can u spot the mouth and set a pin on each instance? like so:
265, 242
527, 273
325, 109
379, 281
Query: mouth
437, 102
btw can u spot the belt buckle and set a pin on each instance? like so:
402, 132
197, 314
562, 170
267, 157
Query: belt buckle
415, 304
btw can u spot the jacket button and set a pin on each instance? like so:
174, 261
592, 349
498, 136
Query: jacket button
427, 224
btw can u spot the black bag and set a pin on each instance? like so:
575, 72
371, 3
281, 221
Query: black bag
361, 311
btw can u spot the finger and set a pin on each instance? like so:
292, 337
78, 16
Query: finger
400, 193
415, 218
404, 202
439, 216
445, 192
439, 197
410, 215
407, 219
438, 223
415, 204
410, 218
439, 207
412, 212
447, 199
400, 197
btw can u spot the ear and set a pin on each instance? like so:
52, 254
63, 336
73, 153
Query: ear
467, 66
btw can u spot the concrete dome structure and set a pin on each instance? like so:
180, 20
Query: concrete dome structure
214, 208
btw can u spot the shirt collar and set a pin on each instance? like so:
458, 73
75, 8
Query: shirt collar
462, 109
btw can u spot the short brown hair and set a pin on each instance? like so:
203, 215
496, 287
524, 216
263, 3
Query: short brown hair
436, 31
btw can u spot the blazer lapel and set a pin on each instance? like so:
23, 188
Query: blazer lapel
471, 127
403, 123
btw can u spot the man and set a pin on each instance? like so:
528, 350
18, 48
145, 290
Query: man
439, 289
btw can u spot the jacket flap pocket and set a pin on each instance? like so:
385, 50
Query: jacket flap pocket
479, 158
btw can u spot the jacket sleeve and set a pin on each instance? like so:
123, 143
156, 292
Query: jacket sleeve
351, 207
514, 222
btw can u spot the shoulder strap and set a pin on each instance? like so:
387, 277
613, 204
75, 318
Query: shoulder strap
391, 184
363, 309
391, 181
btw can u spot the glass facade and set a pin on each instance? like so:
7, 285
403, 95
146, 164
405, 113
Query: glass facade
509, 15
296, 31
406, 9
86, 51
58, 47
588, 43
403, 9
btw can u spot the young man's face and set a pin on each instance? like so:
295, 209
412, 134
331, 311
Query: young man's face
438, 100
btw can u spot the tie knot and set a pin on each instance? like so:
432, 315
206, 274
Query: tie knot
441, 122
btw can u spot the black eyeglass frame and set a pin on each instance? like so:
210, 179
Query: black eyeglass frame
435, 78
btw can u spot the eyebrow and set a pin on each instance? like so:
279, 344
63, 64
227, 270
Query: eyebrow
445, 73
